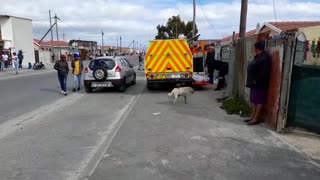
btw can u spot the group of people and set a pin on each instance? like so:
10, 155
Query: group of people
62, 68
15, 58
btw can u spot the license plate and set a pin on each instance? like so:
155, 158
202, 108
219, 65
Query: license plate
175, 76
101, 84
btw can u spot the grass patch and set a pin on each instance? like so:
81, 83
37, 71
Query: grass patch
236, 105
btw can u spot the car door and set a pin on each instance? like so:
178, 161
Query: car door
125, 66
130, 68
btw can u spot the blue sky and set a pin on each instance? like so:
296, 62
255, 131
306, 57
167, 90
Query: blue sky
137, 20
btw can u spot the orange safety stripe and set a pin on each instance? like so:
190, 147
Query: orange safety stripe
179, 59
186, 62
158, 55
155, 53
186, 47
156, 63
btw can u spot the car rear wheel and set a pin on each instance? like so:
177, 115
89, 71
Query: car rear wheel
150, 86
134, 81
123, 86
88, 89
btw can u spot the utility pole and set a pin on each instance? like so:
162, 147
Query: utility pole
176, 30
137, 47
117, 42
57, 31
120, 43
194, 19
243, 18
102, 49
52, 47
56, 22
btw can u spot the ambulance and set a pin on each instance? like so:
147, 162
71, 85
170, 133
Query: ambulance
169, 62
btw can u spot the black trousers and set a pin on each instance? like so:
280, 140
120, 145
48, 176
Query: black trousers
221, 83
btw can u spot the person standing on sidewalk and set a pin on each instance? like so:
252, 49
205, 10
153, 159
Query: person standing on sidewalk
258, 77
63, 69
1, 63
20, 57
15, 62
210, 64
77, 66
5, 59
140, 62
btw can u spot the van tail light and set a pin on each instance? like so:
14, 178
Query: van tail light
86, 70
118, 69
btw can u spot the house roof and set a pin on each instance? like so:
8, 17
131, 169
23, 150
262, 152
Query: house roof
8, 16
248, 34
290, 25
49, 44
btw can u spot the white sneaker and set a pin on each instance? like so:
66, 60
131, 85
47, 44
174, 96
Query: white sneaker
65, 93
62, 92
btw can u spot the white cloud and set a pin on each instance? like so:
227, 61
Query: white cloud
131, 20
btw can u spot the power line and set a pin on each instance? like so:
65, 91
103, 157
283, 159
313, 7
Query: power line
207, 19
70, 26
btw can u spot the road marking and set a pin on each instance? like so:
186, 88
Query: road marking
89, 165
37, 115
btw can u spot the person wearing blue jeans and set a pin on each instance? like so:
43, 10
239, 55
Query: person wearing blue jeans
63, 69
77, 66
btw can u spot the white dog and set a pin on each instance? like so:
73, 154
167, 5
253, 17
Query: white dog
182, 91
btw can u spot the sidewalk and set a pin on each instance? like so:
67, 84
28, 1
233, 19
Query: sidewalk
198, 140
10, 73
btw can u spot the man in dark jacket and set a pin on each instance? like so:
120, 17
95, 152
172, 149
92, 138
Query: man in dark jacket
63, 69
223, 71
258, 77
20, 57
210, 64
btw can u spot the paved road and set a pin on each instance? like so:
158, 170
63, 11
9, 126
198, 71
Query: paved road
134, 135
23, 94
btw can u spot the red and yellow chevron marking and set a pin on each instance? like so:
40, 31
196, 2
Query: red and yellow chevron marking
167, 56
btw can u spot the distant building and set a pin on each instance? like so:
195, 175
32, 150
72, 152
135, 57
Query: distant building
16, 34
84, 48
45, 50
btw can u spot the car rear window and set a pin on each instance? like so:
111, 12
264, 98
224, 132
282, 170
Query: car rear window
109, 64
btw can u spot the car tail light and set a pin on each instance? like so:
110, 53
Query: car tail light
151, 76
86, 70
186, 75
118, 69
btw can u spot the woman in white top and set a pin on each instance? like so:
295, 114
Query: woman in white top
15, 61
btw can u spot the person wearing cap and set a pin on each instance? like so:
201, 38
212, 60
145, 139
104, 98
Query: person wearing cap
77, 66
258, 76
62, 68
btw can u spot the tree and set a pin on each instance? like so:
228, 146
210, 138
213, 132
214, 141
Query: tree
174, 27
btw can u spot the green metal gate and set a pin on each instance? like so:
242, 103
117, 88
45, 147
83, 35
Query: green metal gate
304, 102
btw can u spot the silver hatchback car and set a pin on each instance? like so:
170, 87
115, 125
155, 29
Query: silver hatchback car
108, 72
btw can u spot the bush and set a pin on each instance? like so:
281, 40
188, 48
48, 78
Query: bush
236, 105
